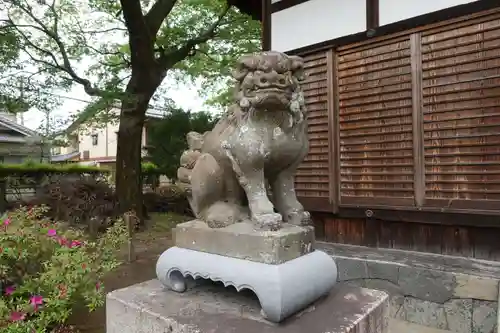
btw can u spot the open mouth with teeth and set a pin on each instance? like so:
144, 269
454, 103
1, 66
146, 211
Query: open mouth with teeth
268, 90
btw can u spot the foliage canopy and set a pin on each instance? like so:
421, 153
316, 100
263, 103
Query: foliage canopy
167, 137
53, 44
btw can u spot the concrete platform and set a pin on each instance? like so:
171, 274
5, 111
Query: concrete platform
148, 308
242, 241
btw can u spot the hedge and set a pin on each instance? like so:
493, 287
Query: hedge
31, 168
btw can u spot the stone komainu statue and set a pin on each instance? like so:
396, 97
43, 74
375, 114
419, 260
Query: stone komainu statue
262, 138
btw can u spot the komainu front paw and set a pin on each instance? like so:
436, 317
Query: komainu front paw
271, 221
300, 218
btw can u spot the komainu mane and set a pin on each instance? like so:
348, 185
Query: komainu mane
260, 141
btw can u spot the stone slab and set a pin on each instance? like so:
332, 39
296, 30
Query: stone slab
149, 308
399, 326
242, 241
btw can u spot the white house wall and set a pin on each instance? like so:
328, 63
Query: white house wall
103, 148
316, 21
397, 10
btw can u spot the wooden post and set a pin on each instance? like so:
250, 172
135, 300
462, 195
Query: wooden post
93, 224
418, 119
130, 219
266, 25
372, 14
3, 195
333, 128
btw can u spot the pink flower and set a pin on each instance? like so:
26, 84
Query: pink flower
10, 290
6, 222
52, 232
75, 243
17, 316
36, 300
62, 241
97, 286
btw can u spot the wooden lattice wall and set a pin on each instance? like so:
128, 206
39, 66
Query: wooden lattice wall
407, 121
313, 177
461, 114
375, 115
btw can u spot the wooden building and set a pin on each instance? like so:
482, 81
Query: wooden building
404, 119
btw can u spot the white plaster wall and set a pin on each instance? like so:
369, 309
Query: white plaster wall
397, 10
99, 150
316, 21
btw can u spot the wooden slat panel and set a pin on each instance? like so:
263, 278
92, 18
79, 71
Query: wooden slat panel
461, 101
375, 102
313, 177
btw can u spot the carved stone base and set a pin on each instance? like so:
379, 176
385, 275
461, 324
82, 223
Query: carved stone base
281, 289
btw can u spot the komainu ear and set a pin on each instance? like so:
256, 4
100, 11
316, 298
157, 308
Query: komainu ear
297, 67
240, 72
246, 64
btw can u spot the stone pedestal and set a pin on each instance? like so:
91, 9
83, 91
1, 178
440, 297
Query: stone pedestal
149, 308
280, 267
242, 241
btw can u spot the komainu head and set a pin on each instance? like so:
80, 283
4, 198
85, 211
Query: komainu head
270, 80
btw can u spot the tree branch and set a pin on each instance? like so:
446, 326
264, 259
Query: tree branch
157, 14
170, 58
52, 34
95, 32
34, 46
209, 56
140, 41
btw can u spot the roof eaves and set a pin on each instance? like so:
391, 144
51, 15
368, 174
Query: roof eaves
17, 127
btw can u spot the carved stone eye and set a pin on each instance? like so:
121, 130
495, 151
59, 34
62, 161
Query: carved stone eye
281, 81
263, 80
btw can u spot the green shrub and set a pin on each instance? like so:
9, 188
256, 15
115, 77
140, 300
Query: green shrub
151, 174
47, 268
78, 201
150, 168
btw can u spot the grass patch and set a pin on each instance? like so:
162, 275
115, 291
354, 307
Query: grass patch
160, 225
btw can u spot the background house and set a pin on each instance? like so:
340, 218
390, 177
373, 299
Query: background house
95, 145
19, 143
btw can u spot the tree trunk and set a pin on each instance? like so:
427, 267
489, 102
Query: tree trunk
140, 89
129, 145
128, 161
